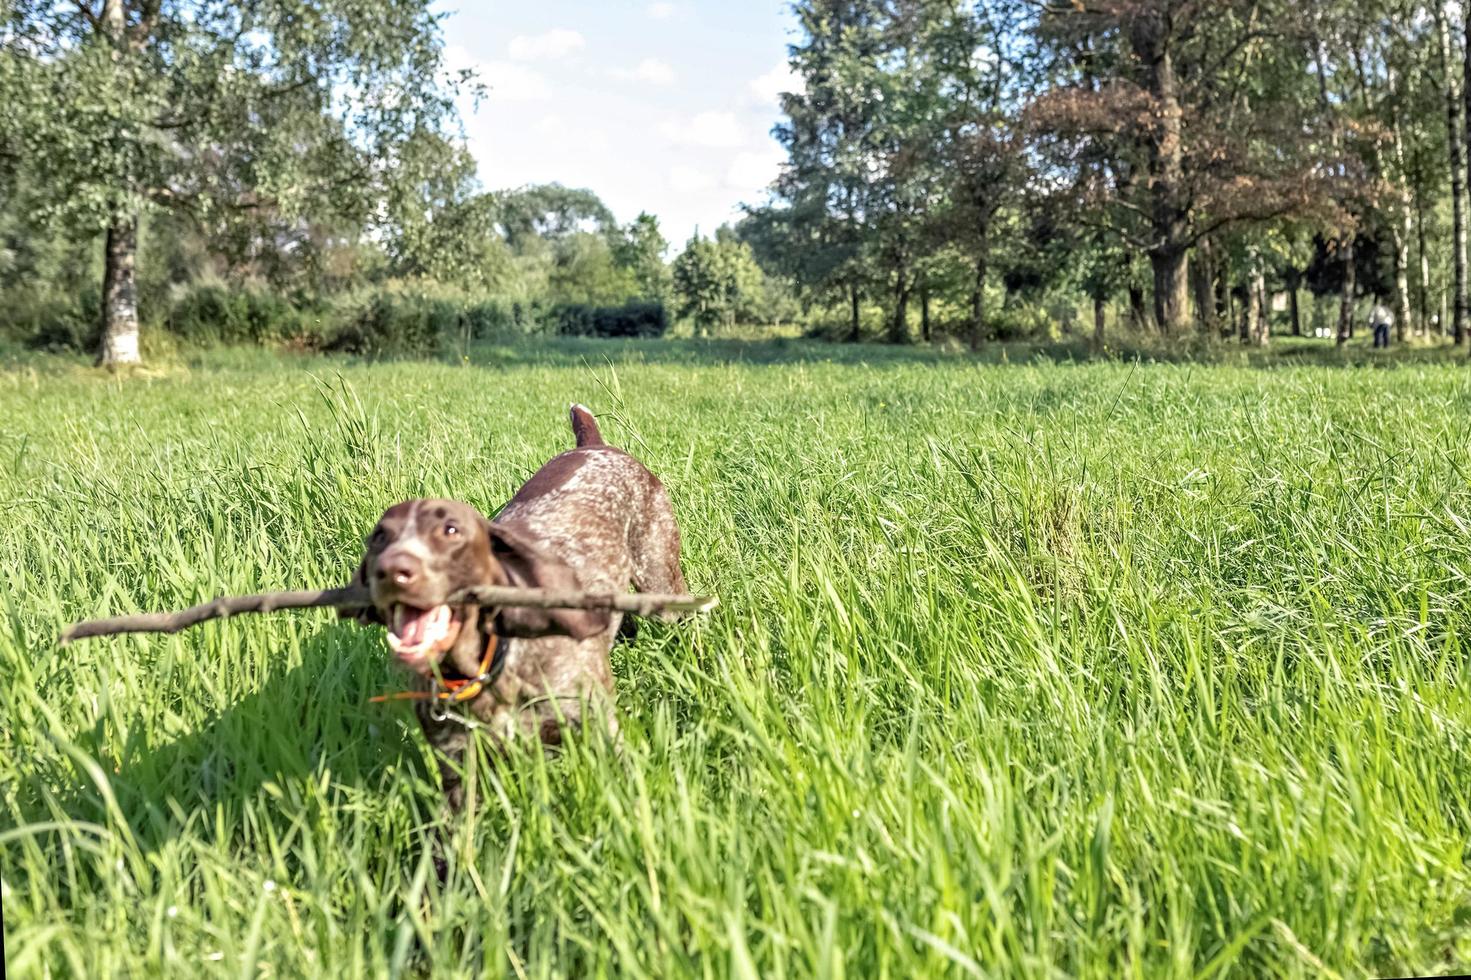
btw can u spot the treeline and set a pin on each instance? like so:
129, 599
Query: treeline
539, 260
288, 171
1195, 164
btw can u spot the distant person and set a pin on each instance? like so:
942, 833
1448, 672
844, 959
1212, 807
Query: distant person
1381, 320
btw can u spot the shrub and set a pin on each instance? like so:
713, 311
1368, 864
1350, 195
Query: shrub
56, 323
214, 314
633, 319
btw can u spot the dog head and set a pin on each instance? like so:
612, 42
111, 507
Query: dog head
422, 553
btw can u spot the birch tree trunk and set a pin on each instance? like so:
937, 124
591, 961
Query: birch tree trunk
1455, 128
1403, 231
120, 294
119, 276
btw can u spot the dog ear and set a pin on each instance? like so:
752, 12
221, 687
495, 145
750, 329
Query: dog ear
366, 615
526, 566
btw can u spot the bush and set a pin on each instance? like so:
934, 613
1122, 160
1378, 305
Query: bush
398, 325
1021, 322
56, 323
219, 315
632, 319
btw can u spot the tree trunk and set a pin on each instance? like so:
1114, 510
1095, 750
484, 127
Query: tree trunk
1455, 127
899, 325
1402, 279
1202, 272
1171, 290
120, 294
978, 300
1225, 310
119, 273
1100, 322
1168, 215
1424, 264
1137, 316
1293, 309
854, 333
924, 309
1445, 314
1262, 330
1403, 230
1346, 300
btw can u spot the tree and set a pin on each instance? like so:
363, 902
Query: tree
716, 281
1456, 141
640, 252
441, 227
1178, 119
210, 106
826, 182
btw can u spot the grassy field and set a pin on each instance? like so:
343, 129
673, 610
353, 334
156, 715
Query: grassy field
1021, 669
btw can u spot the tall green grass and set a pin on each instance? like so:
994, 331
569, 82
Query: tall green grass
1030, 669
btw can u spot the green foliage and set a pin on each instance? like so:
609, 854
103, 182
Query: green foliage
254, 119
402, 325
217, 315
636, 318
442, 228
717, 282
640, 252
1048, 669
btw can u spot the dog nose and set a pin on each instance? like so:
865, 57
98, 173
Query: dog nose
399, 568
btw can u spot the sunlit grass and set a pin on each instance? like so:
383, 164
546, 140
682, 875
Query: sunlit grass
1035, 668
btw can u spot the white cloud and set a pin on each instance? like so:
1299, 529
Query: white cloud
554, 44
718, 130
506, 82
457, 57
662, 11
650, 70
768, 88
689, 180
751, 171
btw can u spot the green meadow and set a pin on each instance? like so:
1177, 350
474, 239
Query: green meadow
1035, 668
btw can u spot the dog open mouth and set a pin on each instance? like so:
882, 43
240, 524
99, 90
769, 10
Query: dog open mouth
414, 634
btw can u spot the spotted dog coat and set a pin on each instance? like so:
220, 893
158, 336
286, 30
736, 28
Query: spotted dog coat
592, 518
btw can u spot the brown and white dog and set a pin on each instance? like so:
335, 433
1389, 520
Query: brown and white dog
593, 518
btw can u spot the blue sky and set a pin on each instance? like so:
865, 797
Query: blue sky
665, 107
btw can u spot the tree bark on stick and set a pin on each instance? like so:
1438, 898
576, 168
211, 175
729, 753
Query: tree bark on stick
357, 597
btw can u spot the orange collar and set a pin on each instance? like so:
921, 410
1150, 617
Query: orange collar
455, 691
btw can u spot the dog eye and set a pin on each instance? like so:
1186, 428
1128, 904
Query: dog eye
451, 528
378, 536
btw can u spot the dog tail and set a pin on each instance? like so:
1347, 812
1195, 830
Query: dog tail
585, 427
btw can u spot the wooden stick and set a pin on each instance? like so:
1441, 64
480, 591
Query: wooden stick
355, 597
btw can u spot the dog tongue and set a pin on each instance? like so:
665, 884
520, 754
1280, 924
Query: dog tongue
415, 624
